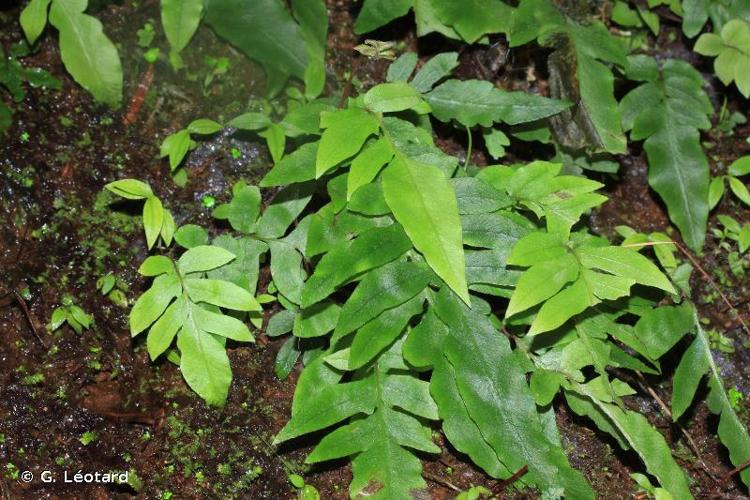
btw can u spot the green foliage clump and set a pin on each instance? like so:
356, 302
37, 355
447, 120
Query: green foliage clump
732, 51
422, 292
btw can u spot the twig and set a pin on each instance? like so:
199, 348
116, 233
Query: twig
728, 476
668, 413
440, 481
21, 302
139, 96
501, 485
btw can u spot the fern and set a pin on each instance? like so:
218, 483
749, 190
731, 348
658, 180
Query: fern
668, 111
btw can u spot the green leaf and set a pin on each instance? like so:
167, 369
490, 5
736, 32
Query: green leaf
475, 196
434, 70
679, 173
740, 166
493, 388
180, 19
380, 439
86, 51
626, 263
286, 358
250, 121
220, 324
313, 20
380, 332
401, 69
381, 289
153, 217
715, 191
478, 102
284, 209
377, 13
331, 405
732, 51
280, 323
537, 247
243, 270
298, 166
693, 366
153, 302
203, 258
191, 235
286, 270
204, 126
176, 147
275, 140
739, 190
221, 293
131, 189
204, 363
424, 202
243, 210
424, 347
391, 97
264, 30
156, 265
370, 250
473, 19
571, 301
345, 132
316, 320
34, 19
162, 333
645, 440
661, 328
367, 164
668, 110
541, 282
578, 73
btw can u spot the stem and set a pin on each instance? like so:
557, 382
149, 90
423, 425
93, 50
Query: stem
468, 148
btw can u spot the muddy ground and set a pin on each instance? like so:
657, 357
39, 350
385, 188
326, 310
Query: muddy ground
93, 402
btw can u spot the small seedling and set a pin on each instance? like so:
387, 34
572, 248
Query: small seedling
72, 314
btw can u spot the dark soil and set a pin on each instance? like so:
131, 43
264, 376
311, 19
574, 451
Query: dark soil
94, 403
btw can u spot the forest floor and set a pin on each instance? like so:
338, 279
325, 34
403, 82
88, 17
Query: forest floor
94, 402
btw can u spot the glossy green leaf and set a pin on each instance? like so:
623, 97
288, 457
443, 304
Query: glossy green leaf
434, 70
345, 133
381, 289
203, 258
668, 110
371, 249
473, 19
298, 166
153, 217
478, 102
732, 51
264, 30
34, 19
391, 97
221, 293
180, 19
493, 388
204, 363
86, 51
424, 202
367, 164
376, 13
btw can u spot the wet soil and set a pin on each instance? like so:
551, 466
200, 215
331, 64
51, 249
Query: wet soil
93, 402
